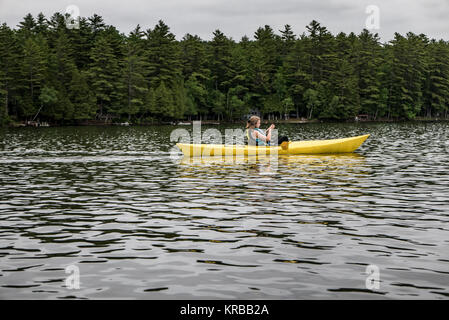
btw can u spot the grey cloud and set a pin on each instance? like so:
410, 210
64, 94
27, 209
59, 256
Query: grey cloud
239, 17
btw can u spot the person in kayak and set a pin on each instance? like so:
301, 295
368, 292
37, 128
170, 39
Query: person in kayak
258, 137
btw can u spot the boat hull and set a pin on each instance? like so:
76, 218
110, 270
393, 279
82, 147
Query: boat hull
343, 145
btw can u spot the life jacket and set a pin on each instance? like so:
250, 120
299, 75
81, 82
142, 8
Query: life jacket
251, 140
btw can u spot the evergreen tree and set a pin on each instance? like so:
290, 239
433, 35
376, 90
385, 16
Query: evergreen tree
288, 41
220, 57
96, 25
133, 73
9, 70
343, 82
320, 52
196, 74
41, 25
104, 73
27, 27
196, 95
163, 56
312, 101
297, 78
62, 63
437, 80
49, 105
164, 102
57, 22
50, 72
33, 70
264, 64
81, 97
82, 40
193, 56
217, 102
408, 75
237, 90
369, 70
180, 99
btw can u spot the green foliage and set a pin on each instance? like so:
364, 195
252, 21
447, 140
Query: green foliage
33, 70
163, 56
436, 95
95, 72
104, 75
164, 103
133, 74
48, 99
408, 75
81, 97
9, 71
48, 96
312, 101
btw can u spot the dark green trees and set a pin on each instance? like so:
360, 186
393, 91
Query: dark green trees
104, 72
133, 74
33, 70
436, 94
408, 67
369, 69
164, 73
9, 71
51, 73
196, 74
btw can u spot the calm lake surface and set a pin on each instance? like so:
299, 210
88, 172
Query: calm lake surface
136, 223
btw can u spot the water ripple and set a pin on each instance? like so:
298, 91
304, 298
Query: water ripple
138, 224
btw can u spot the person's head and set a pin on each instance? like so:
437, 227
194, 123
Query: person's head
253, 122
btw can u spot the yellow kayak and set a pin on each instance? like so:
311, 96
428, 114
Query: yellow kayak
292, 147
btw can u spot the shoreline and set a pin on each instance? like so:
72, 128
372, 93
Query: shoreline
215, 122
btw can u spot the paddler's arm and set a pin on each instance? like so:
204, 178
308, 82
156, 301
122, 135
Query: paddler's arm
270, 128
263, 137
268, 134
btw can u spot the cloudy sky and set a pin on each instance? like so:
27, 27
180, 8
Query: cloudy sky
237, 18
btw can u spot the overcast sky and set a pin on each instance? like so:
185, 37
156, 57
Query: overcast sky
237, 18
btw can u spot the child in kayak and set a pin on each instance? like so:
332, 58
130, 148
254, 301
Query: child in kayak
256, 136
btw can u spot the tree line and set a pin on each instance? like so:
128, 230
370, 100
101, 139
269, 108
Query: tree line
67, 75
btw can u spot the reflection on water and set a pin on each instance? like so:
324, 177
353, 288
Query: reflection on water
141, 225
291, 166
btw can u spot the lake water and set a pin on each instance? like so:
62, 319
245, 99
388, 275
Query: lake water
111, 203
